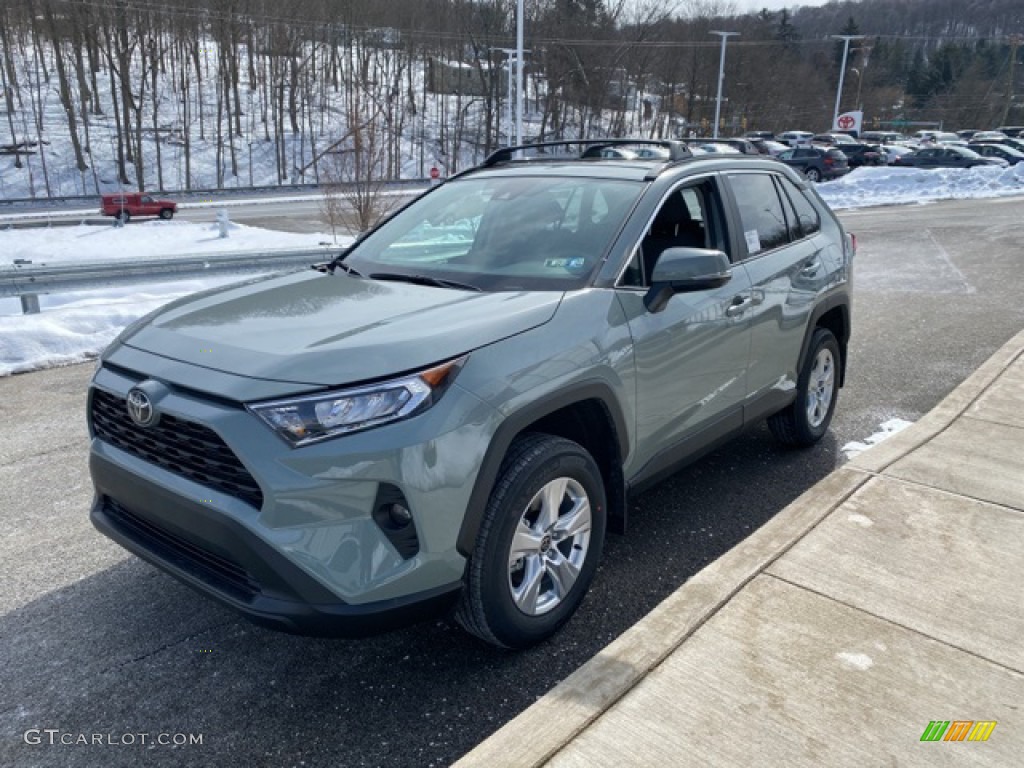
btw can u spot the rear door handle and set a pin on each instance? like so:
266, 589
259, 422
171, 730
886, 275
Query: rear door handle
739, 305
811, 267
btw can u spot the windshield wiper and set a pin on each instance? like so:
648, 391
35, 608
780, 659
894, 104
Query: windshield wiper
437, 282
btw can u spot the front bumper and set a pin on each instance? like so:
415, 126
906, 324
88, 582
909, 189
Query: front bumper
307, 552
240, 572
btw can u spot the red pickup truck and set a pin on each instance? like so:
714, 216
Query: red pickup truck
128, 204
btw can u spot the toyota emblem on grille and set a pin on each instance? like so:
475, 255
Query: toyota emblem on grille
140, 408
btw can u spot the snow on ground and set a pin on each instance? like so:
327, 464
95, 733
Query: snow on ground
886, 430
140, 240
74, 327
78, 326
890, 186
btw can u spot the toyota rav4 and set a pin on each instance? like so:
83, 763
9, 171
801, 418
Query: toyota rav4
452, 413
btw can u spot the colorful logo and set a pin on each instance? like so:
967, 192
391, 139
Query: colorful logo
958, 730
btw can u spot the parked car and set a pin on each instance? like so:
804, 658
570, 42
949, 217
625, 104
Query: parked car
1009, 154
893, 151
967, 133
717, 148
453, 412
834, 139
858, 154
758, 135
131, 204
746, 146
816, 163
1015, 143
1013, 131
945, 157
988, 136
882, 137
768, 146
796, 138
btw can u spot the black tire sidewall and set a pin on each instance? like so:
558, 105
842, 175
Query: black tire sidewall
510, 625
808, 434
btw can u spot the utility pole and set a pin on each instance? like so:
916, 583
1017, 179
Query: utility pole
721, 77
842, 70
519, 73
1015, 41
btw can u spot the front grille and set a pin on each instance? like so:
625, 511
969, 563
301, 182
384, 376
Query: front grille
220, 572
183, 447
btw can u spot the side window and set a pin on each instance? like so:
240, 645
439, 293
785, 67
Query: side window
764, 223
688, 217
807, 215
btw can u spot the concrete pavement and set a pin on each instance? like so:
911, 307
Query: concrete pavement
889, 595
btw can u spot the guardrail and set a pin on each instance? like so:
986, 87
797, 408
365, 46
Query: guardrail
28, 281
181, 194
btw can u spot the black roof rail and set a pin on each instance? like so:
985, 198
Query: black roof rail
677, 149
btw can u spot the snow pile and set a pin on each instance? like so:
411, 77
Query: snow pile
140, 240
891, 185
83, 324
77, 326
886, 430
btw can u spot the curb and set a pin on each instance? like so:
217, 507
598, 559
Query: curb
544, 728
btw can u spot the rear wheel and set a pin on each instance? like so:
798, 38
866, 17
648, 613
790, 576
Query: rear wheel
166, 213
806, 420
813, 174
539, 543
124, 216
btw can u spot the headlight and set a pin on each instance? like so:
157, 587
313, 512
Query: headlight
304, 420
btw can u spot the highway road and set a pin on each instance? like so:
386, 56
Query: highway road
96, 642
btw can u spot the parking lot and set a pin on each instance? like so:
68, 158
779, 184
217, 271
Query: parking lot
97, 643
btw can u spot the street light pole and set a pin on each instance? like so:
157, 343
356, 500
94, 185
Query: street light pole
519, 73
721, 77
842, 70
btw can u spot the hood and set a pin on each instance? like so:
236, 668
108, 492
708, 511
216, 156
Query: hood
319, 329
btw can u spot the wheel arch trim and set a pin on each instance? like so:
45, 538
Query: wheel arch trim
514, 425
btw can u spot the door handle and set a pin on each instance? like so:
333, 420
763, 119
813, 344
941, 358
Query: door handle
811, 268
739, 305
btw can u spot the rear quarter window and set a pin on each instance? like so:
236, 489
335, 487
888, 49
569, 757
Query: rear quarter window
761, 215
808, 221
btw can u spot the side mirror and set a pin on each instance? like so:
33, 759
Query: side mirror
684, 270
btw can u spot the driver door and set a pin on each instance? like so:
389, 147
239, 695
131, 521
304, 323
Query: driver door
691, 357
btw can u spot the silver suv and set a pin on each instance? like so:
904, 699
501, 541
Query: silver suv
451, 414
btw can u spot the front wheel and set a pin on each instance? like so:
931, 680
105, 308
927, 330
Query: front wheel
166, 213
538, 545
806, 420
813, 174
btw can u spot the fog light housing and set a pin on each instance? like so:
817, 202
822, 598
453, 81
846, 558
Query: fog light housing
399, 515
393, 516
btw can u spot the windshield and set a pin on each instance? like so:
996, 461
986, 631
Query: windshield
503, 234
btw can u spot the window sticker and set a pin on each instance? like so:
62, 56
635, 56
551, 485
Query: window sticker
574, 263
753, 241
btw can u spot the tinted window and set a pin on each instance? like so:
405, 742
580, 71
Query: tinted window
808, 221
764, 223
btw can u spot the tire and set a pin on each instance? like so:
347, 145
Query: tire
166, 213
813, 174
124, 216
806, 420
533, 562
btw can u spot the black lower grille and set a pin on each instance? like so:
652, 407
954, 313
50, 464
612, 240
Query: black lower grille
218, 571
183, 447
